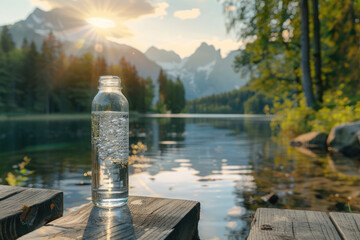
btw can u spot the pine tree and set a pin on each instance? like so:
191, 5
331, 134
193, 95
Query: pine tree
162, 86
50, 75
4, 81
99, 69
25, 45
170, 95
29, 76
179, 101
7, 44
131, 84
149, 93
12, 72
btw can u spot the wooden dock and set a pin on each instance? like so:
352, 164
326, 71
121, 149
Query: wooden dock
22, 210
276, 224
28, 213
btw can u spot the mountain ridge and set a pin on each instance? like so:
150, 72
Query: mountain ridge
203, 73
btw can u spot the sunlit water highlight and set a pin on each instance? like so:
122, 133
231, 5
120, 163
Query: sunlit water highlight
226, 164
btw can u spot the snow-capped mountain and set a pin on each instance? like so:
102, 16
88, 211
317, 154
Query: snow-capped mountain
70, 31
203, 73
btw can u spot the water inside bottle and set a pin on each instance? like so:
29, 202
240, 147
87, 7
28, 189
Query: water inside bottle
110, 140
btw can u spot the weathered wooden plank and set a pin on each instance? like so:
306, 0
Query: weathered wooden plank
22, 210
271, 224
142, 218
8, 191
348, 224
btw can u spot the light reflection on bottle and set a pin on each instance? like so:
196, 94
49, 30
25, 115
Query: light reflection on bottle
115, 223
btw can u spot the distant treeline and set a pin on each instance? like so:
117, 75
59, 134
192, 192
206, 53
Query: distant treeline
239, 101
48, 81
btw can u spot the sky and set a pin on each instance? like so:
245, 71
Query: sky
179, 25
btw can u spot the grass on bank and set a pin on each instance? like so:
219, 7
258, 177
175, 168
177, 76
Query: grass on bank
336, 109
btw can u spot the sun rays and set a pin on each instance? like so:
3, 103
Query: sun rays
101, 23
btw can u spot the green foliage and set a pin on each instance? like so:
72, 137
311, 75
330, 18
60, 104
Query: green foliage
149, 94
272, 55
137, 90
77, 94
336, 109
160, 107
257, 103
175, 99
7, 44
162, 81
30, 77
19, 175
172, 95
49, 82
340, 35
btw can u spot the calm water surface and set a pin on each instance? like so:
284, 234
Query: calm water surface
227, 163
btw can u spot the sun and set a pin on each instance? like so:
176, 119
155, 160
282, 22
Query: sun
101, 23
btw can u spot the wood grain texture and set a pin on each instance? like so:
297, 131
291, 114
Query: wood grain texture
271, 224
142, 218
23, 210
348, 224
8, 191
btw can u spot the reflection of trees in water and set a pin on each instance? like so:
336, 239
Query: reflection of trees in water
152, 131
257, 133
171, 128
302, 179
253, 127
52, 145
171, 132
16, 135
141, 131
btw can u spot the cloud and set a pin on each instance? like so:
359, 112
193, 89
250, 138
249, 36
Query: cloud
187, 14
117, 11
43, 4
120, 9
159, 11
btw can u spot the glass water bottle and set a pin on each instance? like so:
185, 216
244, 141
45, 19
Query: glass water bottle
110, 144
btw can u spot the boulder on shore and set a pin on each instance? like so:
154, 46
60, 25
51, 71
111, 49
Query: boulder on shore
310, 140
345, 138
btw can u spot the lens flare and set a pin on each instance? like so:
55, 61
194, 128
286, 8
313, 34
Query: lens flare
101, 22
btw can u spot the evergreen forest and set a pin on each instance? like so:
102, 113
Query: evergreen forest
47, 81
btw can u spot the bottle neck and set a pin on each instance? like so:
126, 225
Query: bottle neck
109, 83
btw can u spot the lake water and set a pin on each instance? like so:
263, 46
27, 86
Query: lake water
226, 162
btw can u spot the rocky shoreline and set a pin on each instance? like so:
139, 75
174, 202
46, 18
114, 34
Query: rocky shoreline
343, 138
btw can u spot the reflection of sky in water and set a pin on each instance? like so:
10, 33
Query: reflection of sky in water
206, 166
201, 160
225, 164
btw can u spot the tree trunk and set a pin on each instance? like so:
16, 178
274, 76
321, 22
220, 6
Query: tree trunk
317, 52
305, 52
